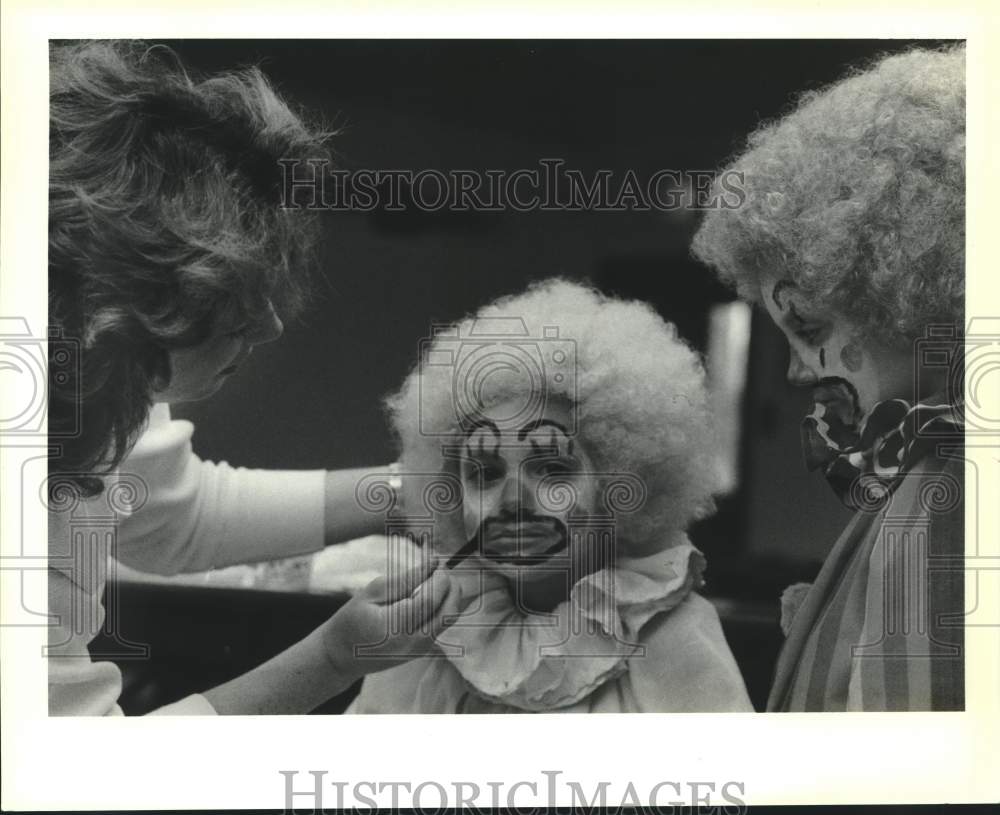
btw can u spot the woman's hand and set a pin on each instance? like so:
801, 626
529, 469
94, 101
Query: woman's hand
392, 620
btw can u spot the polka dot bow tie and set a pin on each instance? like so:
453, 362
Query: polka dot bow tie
864, 463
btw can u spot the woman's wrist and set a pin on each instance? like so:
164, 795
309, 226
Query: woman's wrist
295, 681
340, 651
346, 516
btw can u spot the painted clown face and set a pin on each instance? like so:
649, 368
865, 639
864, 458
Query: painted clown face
516, 482
848, 374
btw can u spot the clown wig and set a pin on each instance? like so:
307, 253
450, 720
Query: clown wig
858, 196
636, 389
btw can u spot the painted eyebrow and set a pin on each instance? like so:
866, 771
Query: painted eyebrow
530, 427
554, 445
793, 312
779, 287
489, 424
485, 424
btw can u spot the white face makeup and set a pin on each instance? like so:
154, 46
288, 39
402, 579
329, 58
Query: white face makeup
828, 354
504, 477
200, 371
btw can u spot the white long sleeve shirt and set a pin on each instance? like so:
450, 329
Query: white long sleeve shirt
166, 511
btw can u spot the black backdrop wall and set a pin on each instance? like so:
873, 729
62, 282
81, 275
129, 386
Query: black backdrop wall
312, 399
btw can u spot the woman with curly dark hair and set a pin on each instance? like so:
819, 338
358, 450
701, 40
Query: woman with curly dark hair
170, 258
852, 238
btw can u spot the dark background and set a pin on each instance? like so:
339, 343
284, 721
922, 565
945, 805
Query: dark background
312, 400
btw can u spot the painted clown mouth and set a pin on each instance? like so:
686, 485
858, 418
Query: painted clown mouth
522, 543
839, 398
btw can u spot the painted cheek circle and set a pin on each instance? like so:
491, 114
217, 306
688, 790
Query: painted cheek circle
851, 356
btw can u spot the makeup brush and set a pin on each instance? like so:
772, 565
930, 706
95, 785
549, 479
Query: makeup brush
463, 553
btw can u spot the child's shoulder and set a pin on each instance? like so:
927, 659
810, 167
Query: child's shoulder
685, 663
693, 620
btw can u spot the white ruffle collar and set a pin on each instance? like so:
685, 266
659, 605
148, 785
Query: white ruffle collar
539, 662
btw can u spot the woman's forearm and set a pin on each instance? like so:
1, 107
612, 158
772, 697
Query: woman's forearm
346, 519
297, 680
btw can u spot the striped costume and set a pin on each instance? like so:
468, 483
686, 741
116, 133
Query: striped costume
881, 628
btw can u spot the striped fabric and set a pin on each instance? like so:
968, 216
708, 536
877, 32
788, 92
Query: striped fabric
881, 628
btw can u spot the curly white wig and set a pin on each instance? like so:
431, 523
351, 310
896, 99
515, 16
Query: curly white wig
858, 195
639, 399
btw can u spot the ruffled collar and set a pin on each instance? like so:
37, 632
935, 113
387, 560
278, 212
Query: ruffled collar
539, 662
